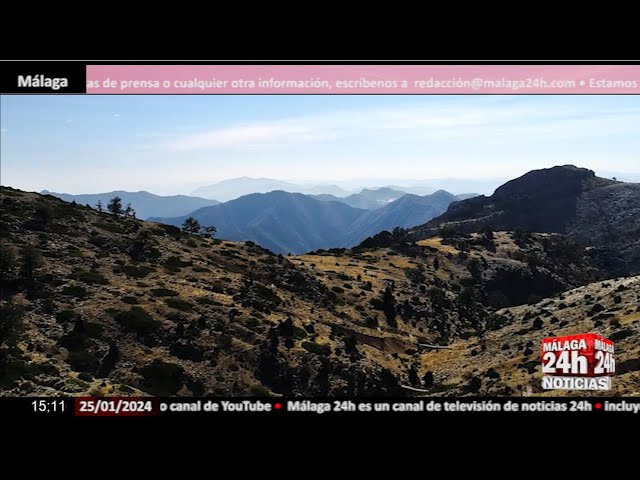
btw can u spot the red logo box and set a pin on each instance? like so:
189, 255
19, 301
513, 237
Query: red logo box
584, 355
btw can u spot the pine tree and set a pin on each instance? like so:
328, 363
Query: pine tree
7, 262
191, 225
129, 212
427, 380
210, 231
115, 206
99, 206
413, 376
389, 307
31, 262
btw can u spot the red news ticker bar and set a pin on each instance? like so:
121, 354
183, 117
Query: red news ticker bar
363, 79
115, 407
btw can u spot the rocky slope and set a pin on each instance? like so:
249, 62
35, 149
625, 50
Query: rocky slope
102, 305
506, 359
601, 213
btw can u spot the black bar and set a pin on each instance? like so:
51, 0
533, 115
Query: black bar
43, 77
399, 408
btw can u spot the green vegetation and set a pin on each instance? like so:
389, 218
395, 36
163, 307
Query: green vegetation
82, 361
316, 348
137, 320
130, 300
199, 269
110, 227
92, 278
10, 321
179, 304
163, 292
141, 271
176, 262
115, 206
191, 225
162, 378
76, 291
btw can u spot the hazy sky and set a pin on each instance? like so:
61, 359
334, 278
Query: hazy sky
171, 144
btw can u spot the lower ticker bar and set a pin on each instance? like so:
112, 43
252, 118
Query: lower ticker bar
301, 407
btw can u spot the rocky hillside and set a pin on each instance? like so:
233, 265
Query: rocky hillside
601, 213
103, 305
505, 360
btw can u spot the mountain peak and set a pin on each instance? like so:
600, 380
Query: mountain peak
564, 178
564, 199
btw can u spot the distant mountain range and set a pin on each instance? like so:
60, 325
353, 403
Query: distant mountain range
407, 211
367, 199
144, 203
280, 221
380, 192
295, 223
237, 187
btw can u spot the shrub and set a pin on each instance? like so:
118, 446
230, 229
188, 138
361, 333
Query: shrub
176, 262
427, 380
137, 320
207, 301
74, 252
77, 291
621, 335
467, 281
110, 227
495, 321
316, 348
66, 316
82, 361
137, 272
179, 304
7, 262
163, 292
92, 329
266, 293
447, 232
162, 379
92, 278
337, 289
10, 321
130, 300
201, 269
437, 296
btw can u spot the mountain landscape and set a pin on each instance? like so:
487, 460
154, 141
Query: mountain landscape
237, 187
144, 203
295, 223
407, 211
371, 199
600, 212
280, 221
99, 304
364, 193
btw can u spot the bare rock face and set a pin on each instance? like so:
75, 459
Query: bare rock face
609, 219
598, 212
